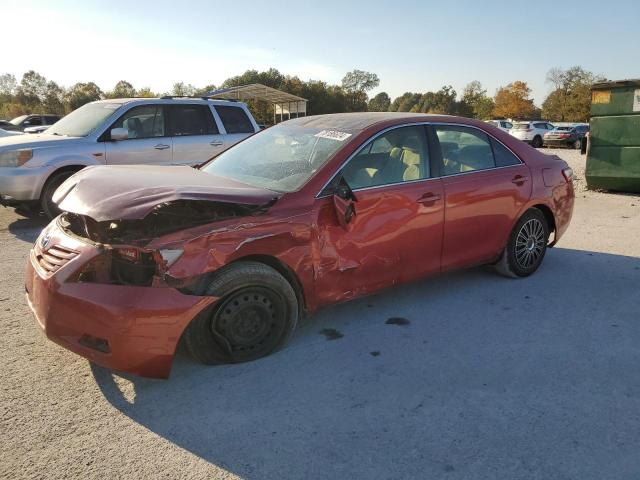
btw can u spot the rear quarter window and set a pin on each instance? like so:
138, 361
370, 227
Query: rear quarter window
502, 155
234, 119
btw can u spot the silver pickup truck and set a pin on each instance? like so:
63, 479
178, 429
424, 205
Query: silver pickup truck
151, 131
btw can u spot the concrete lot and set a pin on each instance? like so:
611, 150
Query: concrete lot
491, 378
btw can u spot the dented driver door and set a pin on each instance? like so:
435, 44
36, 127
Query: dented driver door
395, 235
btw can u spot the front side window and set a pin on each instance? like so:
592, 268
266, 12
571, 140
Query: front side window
464, 149
34, 121
281, 158
399, 155
143, 122
84, 120
192, 120
234, 119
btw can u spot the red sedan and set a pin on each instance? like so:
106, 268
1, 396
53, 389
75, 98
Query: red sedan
308, 213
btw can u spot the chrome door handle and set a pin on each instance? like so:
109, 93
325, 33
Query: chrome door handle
215, 143
161, 146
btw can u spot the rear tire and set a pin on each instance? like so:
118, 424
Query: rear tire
577, 144
526, 246
50, 209
536, 142
255, 316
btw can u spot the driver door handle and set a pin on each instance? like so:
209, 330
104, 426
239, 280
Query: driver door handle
519, 180
429, 198
215, 143
161, 146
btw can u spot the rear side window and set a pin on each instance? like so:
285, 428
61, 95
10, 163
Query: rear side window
234, 119
464, 149
191, 120
502, 155
521, 126
50, 120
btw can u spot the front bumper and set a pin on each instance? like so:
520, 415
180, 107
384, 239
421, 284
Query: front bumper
141, 325
22, 183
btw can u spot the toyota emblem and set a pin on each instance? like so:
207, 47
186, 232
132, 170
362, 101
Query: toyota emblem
44, 242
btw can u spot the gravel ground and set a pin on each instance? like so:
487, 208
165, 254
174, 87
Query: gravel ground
487, 378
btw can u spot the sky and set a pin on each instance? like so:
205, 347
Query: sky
415, 46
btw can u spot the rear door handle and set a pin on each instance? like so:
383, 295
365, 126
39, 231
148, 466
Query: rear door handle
429, 198
215, 143
519, 180
161, 146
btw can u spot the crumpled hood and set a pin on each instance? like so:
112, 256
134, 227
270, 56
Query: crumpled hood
35, 140
131, 192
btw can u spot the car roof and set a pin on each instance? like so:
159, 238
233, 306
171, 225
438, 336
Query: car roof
170, 100
358, 121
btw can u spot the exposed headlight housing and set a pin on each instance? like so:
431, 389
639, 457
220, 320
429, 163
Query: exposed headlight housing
15, 158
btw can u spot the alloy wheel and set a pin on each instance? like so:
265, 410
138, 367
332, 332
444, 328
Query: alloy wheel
530, 243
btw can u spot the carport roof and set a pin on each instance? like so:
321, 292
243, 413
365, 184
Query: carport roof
256, 91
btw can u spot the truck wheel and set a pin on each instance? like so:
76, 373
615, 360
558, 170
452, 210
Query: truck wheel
536, 142
50, 209
526, 246
255, 316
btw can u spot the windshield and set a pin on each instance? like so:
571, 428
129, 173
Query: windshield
18, 120
84, 120
280, 158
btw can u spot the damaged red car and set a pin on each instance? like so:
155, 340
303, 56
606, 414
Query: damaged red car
310, 212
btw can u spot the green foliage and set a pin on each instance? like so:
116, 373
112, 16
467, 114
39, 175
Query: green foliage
570, 100
82, 93
380, 103
476, 99
123, 89
359, 81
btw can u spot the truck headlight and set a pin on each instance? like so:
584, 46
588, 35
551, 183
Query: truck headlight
15, 158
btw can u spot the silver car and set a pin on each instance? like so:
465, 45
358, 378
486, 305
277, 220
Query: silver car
151, 131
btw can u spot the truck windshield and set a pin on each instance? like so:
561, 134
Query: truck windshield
280, 158
84, 120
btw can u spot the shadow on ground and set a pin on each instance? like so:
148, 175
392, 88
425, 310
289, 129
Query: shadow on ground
27, 228
474, 376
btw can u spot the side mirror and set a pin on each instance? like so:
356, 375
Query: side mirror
119, 134
344, 202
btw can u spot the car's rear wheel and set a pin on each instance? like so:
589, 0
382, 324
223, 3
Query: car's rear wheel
577, 144
255, 316
537, 141
50, 209
526, 246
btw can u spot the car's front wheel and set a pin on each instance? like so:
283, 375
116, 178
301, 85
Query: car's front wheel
50, 209
526, 246
255, 316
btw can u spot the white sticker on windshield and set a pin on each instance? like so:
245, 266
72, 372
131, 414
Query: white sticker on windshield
333, 135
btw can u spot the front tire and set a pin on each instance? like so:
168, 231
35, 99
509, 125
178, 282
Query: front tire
255, 316
526, 246
50, 209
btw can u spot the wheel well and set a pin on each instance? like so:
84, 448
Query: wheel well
548, 215
284, 270
67, 168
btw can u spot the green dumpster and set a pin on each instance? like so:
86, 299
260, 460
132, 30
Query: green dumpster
613, 156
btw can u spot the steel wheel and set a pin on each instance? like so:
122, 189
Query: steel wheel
249, 323
530, 243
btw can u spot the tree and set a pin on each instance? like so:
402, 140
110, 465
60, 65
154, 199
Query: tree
123, 89
53, 99
81, 93
513, 101
359, 81
570, 100
379, 103
8, 85
182, 90
145, 92
475, 97
32, 90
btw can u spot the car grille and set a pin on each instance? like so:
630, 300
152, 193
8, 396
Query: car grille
54, 257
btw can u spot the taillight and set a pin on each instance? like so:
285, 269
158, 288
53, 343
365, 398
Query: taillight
567, 173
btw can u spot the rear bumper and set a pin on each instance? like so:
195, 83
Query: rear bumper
563, 197
140, 325
558, 142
